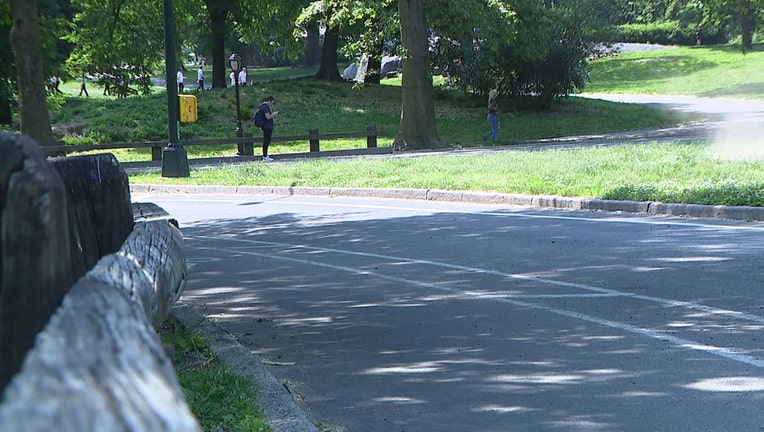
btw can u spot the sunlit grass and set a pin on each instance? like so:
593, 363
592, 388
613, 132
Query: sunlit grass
306, 104
709, 71
220, 399
678, 173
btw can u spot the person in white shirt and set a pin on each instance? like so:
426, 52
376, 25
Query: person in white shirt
243, 77
200, 78
180, 80
233, 78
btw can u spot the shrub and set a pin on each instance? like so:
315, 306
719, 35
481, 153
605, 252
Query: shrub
666, 33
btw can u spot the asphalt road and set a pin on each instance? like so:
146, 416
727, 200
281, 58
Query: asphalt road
417, 316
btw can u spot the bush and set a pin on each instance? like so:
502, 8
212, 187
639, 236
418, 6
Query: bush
666, 33
542, 59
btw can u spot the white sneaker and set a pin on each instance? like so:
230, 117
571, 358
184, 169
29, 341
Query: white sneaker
267, 159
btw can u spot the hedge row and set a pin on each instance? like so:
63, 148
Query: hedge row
667, 33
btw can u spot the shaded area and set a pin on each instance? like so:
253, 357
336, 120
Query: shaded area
453, 321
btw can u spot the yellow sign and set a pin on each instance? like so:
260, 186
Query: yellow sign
188, 108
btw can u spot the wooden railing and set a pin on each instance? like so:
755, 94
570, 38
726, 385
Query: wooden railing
87, 278
245, 144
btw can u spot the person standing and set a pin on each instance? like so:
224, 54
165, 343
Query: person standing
267, 109
493, 115
200, 78
233, 78
180, 80
243, 77
84, 86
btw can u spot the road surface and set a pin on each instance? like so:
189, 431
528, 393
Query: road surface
417, 316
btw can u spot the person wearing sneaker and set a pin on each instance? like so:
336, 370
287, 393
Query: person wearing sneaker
493, 115
267, 109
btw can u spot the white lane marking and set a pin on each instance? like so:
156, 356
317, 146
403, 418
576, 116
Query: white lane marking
602, 291
191, 262
724, 352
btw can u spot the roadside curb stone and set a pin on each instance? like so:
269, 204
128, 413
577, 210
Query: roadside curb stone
741, 213
277, 405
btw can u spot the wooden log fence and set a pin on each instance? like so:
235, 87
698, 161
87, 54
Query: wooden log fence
246, 144
99, 363
84, 355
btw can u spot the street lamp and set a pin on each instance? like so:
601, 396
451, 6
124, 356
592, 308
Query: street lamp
235, 62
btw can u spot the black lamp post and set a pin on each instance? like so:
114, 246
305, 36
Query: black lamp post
174, 157
235, 62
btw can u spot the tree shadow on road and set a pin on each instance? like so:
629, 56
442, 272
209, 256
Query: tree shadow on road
484, 322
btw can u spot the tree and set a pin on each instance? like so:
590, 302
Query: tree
327, 70
323, 13
745, 15
417, 127
738, 16
25, 39
373, 24
105, 36
312, 54
7, 73
355, 29
218, 11
532, 50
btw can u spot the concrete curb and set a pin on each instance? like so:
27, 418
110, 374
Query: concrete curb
740, 213
277, 404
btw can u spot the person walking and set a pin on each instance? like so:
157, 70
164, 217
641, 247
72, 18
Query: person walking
266, 108
84, 86
493, 115
180, 80
56, 84
200, 78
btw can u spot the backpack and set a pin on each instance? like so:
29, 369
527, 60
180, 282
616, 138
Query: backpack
259, 118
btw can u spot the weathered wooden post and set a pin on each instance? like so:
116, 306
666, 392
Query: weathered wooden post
313, 137
58, 219
35, 247
98, 206
84, 285
371, 136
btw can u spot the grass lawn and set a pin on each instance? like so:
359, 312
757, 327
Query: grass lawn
220, 399
305, 104
680, 173
684, 173
707, 71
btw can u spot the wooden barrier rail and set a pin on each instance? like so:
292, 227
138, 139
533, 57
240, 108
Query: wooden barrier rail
87, 278
245, 144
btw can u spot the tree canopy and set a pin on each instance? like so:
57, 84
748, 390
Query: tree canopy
533, 51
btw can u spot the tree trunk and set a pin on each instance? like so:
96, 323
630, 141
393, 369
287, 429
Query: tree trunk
6, 117
328, 69
312, 46
25, 40
417, 128
373, 68
748, 26
218, 10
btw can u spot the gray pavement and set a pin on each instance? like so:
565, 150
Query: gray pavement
383, 314
283, 401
